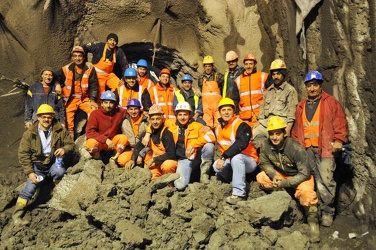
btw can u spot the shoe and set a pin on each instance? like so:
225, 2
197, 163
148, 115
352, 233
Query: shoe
233, 199
164, 180
326, 220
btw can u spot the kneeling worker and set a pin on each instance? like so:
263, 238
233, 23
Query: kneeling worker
40, 145
285, 165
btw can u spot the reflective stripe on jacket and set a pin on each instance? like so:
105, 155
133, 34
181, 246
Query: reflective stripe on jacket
164, 98
311, 128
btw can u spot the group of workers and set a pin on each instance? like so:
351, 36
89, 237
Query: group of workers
253, 117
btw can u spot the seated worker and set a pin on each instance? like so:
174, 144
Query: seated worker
142, 74
237, 150
162, 93
134, 127
104, 126
192, 145
161, 159
40, 145
284, 163
43, 92
132, 89
186, 94
79, 87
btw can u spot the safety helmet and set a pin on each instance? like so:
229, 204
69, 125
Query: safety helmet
250, 56
155, 110
142, 63
133, 102
313, 75
108, 95
187, 77
130, 72
231, 55
183, 106
277, 64
226, 101
78, 49
47, 68
276, 122
165, 71
45, 109
208, 60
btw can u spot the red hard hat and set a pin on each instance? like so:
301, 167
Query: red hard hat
250, 57
165, 71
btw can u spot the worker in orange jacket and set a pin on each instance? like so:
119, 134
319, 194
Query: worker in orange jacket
79, 87
142, 76
109, 61
250, 86
162, 93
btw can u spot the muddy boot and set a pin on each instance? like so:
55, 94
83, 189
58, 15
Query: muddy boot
19, 211
205, 168
313, 222
326, 220
164, 180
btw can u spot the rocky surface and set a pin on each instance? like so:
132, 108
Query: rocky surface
338, 39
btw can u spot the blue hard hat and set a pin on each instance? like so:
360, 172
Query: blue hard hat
314, 75
142, 63
130, 72
187, 77
108, 95
133, 102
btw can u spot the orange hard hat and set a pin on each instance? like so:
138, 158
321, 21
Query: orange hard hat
78, 49
231, 55
250, 57
165, 71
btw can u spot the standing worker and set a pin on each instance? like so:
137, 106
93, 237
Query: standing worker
284, 164
109, 61
321, 128
40, 146
250, 86
233, 71
210, 86
79, 87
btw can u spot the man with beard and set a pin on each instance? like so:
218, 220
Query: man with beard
284, 164
134, 127
142, 74
132, 89
250, 86
103, 127
280, 99
109, 61
40, 153
321, 128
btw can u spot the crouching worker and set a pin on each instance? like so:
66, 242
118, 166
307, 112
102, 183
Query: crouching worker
237, 151
284, 164
44, 142
103, 128
161, 159
193, 143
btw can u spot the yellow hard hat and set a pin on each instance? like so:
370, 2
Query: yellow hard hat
276, 122
45, 109
226, 101
277, 64
208, 60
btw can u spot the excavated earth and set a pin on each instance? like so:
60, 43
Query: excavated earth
96, 206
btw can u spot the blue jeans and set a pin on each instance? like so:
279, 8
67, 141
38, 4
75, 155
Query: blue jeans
240, 165
185, 166
56, 173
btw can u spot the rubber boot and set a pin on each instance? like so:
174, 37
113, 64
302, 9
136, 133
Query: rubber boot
205, 168
313, 222
19, 211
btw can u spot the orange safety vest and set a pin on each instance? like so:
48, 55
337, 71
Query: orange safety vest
311, 128
104, 66
251, 91
226, 136
125, 94
164, 98
158, 149
211, 94
146, 83
193, 135
81, 88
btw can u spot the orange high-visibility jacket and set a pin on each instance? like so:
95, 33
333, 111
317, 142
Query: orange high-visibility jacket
311, 128
164, 98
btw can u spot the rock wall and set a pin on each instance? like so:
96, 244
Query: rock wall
339, 41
